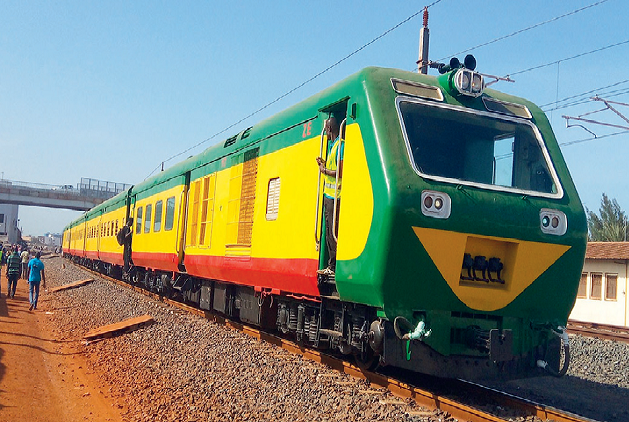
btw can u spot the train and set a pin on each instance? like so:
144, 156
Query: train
460, 233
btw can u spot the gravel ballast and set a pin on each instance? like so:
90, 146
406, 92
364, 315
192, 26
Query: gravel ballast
186, 368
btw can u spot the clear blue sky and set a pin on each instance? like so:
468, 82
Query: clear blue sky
109, 89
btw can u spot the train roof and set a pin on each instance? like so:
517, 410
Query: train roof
376, 80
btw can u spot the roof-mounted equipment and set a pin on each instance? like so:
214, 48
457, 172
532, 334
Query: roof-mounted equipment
460, 79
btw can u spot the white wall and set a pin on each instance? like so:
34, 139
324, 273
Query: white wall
602, 310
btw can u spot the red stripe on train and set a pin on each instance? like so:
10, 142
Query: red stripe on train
289, 275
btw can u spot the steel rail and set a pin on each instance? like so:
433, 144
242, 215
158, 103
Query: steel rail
601, 331
424, 398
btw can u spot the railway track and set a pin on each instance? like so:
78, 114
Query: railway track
491, 398
602, 331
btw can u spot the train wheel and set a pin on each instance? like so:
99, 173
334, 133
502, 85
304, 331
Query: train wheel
367, 360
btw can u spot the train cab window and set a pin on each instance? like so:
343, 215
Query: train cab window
147, 218
138, 221
169, 218
157, 224
468, 147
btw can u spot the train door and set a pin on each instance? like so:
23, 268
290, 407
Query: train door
182, 222
329, 186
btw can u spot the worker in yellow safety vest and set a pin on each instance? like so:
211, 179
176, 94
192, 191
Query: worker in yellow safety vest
330, 168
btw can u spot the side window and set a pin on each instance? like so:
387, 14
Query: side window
583, 286
273, 199
138, 221
170, 213
611, 281
147, 218
157, 224
597, 286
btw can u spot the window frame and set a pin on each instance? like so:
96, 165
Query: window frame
148, 217
157, 222
139, 214
273, 202
615, 298
168, 227
585, 286
600, 293
451, 108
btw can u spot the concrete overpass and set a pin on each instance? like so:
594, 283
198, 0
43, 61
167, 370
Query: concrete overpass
87, 194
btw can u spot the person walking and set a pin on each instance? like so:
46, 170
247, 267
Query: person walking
35, 276
24, 257
3, 259
14, 269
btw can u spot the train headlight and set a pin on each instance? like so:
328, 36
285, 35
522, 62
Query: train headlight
436, 204
468, 82
477, 83
553, 221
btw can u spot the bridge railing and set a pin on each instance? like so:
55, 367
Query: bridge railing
88, 187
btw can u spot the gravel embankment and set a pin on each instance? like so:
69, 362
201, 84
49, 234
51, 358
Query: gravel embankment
185, 368
596, 385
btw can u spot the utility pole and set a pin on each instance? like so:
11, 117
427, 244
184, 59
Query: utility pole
424, 38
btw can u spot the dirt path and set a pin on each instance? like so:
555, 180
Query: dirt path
41, 378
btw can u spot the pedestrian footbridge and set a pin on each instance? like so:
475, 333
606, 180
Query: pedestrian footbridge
86, 195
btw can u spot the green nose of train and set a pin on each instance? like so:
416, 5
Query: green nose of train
477, 235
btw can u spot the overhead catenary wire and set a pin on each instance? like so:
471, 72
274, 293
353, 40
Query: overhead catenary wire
519, 31
569, 58
393, 28
586, 93
610, 94
565, 144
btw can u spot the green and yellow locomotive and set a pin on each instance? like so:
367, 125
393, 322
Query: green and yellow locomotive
461, 236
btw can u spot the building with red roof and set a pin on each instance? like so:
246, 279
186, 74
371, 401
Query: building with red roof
602, 295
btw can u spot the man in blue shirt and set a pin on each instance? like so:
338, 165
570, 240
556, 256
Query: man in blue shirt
35, 276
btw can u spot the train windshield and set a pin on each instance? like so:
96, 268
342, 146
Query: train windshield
476, 148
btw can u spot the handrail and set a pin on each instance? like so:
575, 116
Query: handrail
336, 185
317, 239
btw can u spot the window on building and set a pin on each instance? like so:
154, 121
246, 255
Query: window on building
583, 286
138, 221
597, 286
1, 218
611, 283
170, 213
157, 224
147, 218
273, 199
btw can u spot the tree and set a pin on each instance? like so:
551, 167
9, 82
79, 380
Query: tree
611, 226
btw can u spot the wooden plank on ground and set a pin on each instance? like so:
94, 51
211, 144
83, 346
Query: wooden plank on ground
111, 329
72, 285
